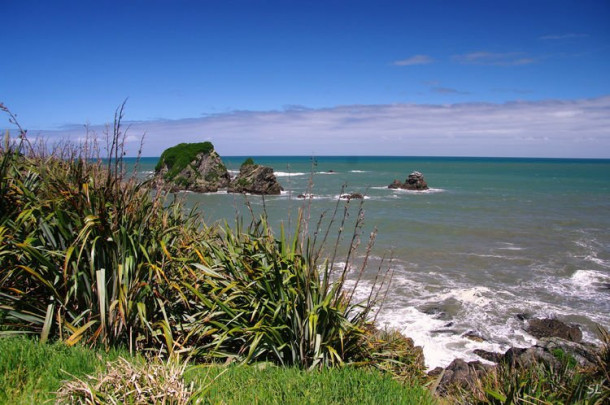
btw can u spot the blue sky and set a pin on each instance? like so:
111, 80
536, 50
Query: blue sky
481, 78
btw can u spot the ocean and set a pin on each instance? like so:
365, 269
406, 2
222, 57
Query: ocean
493, 241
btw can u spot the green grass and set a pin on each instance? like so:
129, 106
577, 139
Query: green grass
180, 156
30, 372
281, 385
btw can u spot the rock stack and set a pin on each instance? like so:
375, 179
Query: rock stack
192, 167
415, 181
255, 179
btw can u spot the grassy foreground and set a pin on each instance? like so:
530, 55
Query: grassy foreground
31, 372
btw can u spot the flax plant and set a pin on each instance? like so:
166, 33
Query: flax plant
86, 252
91, 255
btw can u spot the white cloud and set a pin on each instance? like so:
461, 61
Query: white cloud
494, 59
414, 60
552, 128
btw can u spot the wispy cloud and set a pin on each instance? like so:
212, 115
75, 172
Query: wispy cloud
557, 37
448, 90
494, 59
414, 60
552, 128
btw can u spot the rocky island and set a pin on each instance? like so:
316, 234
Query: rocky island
192, 167
255, 179
197, 167
415, 181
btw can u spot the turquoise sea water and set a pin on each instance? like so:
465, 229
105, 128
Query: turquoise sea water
492, 239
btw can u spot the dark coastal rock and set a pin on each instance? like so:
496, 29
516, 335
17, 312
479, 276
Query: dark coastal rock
543, 328
523, 316
436, 311
584, 354
521, 357
191, 167
461, 374
489, 356
435, 372
415, 181
395, 184
352, 196
255, 179
551, 351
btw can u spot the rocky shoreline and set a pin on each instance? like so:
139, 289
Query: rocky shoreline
555, 340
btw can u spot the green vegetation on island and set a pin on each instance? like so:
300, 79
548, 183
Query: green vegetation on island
178, 157
192, 166
248, 162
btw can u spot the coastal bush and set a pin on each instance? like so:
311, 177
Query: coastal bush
88, 254
270, 302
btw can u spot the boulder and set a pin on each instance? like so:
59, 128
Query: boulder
255, 179
517, 356
584, 354
547, 327
415, 181
489, 356
193, 167
395, 184
461, 374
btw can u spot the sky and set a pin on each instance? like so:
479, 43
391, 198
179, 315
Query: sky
334, 77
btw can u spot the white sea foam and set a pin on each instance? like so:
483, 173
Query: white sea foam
414, 192
418, 192
509, 246
358, 171
470, 296
440, 342
289, 174
588, 279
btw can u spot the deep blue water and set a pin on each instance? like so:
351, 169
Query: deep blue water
492, 238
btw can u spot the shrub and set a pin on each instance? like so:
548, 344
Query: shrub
248, 162
88, 254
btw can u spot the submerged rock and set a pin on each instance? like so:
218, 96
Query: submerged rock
415, 181
193, 167
255, 179
351, 196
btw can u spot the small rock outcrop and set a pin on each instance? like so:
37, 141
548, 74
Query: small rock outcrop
547, 327
351, 196
415, 181
255, 179
461, 374
192, 167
